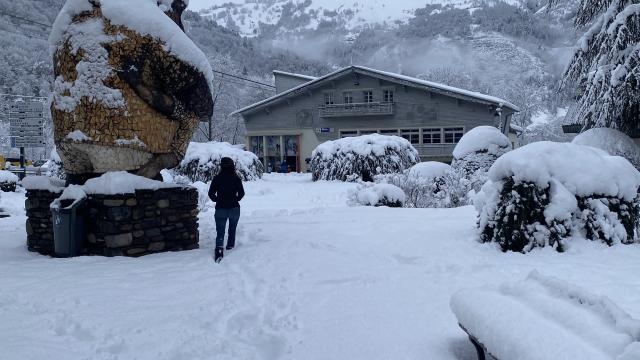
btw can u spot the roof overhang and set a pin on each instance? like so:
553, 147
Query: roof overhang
391, 77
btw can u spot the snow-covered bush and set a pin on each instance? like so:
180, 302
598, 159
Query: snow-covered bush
347, 159
377, 195
204, 203
543, 193
8, 181
427, 185
613, 142
476, 152
54, 166
202, 162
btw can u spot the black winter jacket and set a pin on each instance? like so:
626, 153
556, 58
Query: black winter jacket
226, 191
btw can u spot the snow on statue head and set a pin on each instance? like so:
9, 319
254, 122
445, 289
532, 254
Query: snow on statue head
130, 86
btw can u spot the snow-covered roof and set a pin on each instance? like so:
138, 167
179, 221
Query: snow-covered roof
436, 87
300, 76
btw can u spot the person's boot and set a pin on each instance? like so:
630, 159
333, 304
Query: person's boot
229, 247
219, 254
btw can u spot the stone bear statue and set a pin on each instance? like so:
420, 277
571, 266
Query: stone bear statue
130, 87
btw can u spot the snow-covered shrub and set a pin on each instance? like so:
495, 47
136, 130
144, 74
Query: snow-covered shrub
204, 203
54, 166
347, 159
8, 181
377, 195
543, 193
427, 185
202, 162
476, 152
613, 142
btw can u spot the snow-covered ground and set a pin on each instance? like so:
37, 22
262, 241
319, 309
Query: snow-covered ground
311, 278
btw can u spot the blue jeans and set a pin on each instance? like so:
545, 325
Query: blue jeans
221, 216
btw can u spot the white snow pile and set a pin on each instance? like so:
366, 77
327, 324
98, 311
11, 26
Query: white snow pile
69, 197
144, 17
429, 170
612, 141
545, 192
44, 183
202, 162
475, 153
122, 182
8, 177
348, 158
377, 195
486, 139
575, 324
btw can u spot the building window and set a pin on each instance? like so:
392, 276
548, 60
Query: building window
367, 132
387, 96
344, 134
432, 136
328, 98
347, 97
389, 132
453, 135
413, 135
368, 96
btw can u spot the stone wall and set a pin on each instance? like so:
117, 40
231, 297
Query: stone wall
40, 221
144, 222
129, 224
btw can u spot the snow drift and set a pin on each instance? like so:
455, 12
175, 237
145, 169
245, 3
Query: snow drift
543, 193
202, 162
349, 158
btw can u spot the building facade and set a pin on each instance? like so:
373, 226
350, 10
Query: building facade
356, 100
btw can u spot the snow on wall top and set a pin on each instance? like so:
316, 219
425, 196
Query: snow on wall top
612, 141
122, 182
43, 183
144, 17
583, 170
482, 138
546, 318
365, 145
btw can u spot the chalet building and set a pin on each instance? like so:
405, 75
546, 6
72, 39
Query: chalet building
356, 100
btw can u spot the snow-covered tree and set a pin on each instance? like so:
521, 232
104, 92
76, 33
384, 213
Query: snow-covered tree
544, 193
613, 142
202, 162
362, 157
606, 65
476, 152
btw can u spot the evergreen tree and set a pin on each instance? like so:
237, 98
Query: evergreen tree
606, 65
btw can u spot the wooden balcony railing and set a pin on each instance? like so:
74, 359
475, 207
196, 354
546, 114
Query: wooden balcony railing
356, 109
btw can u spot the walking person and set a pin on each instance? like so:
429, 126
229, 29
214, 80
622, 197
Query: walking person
226, 191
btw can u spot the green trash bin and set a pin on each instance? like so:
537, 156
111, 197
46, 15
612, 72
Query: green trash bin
68, 227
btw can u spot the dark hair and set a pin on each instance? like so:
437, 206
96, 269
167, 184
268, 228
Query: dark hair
227, 166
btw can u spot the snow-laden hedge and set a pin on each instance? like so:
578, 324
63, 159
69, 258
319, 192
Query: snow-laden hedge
476, 152
378, 195
347, 159
427, 185
54, 166
543, 193
8, 181
613, 142
202, 162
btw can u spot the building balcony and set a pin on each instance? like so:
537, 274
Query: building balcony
356, 109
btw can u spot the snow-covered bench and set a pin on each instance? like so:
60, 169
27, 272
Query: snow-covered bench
543, 318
